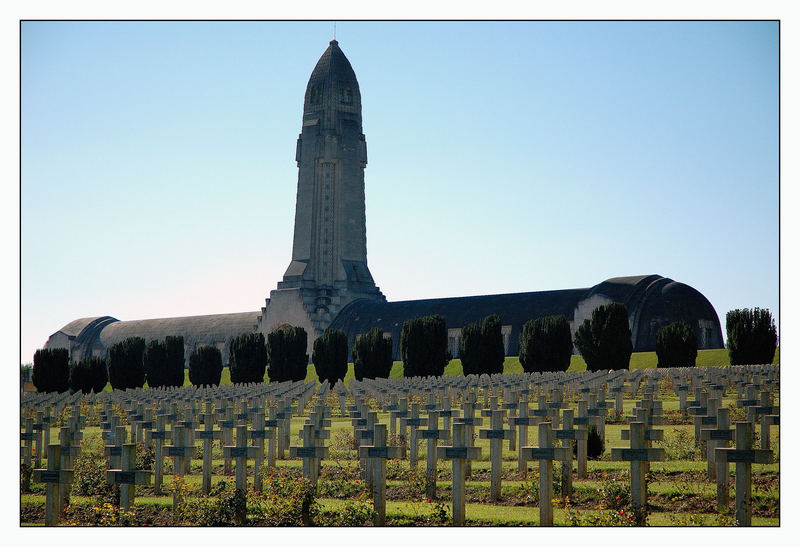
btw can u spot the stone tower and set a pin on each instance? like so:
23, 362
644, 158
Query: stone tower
329, 254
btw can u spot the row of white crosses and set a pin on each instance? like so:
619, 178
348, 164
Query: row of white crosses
58, 475
274, 430
461, 451
122, 457
641, 453
708, 412
641, 434
743, 455
138, 417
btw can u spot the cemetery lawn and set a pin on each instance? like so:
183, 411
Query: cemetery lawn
680, 494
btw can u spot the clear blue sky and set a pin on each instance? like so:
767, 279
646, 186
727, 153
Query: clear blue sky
158, 173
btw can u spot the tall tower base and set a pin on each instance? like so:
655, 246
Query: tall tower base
329, 268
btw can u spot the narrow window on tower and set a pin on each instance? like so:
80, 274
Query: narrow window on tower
316, 94
345, 95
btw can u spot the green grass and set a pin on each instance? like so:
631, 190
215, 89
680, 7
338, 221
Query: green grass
503, 515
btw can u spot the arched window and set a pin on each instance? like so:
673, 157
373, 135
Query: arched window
316, 94
345, 95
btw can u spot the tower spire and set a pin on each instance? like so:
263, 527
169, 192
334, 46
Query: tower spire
334, 30
329, 268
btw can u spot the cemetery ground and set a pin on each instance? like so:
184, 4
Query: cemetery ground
679, 490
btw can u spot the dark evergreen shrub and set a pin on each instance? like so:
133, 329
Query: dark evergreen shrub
205, 366
594, 444
175, 363
470, 348
423, 345
752, 336
482, 350
330, 356
605, 340
372, 355
286, 354
51, 370
545, 344
88, 375
125, 368
154, 361
248, 358
492, 347
676, 346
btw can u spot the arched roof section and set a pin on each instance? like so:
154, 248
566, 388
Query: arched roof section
514, 309
654, 301
198, 326
78, 336
627, 290
669, 301
75, 328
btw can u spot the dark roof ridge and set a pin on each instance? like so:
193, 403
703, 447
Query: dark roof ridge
493, 295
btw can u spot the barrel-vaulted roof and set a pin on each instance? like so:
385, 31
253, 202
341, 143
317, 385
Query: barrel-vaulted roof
624, 289
651, 300
212, 327
74, 328
514, 309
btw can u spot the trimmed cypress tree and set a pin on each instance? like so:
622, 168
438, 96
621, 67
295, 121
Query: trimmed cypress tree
330, 356
78, 376
174, 363
98, 374
545, 344
595, 445
482, 350
247, 358
154, 361
493, 349
51, 370
470, 348
205, 366
676, 346
752, 336
88, 375
423, 345
372, 355
125, 368
605, 340
286, 354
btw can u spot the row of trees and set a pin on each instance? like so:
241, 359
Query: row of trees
129, 364
282, 354
603, 340
545, 344
52, 371
372, 355
752, 336
133, 362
